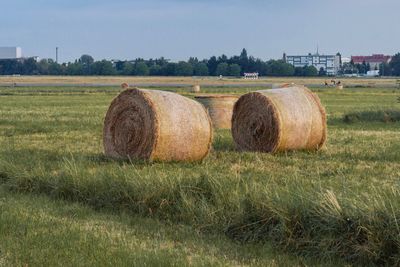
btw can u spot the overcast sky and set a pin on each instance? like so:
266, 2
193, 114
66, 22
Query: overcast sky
178, 29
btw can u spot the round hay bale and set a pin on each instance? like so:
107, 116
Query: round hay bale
339, 87
279, 120
282, 85
220, 108
156, 125
196, 88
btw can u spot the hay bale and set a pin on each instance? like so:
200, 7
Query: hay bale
279, 120
196, 88
156, 125
282, 85
220, 108
339, 87
124, 86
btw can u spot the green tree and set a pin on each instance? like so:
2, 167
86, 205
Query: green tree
201, 69
222, 69
29, 67
86, 60
184, 69
212, 65
385, 69
395, 65
127, 68
298, 71
234, 70
141, 69
280, 68
155, 70
322, 72
169, 69
43, 67
310, 71
74, 69
244, 60
55, 68
103, 67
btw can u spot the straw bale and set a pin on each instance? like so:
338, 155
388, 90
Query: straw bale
220, 108
196, 88
279, 120
156, 125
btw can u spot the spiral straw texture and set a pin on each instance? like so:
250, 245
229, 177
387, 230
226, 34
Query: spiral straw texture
156, 125
220, 108
279, 120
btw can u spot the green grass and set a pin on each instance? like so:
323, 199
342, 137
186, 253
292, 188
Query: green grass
338, 204
36, 231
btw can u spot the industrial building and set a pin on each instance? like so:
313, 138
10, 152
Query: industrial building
374, 61
329, 63
10, 52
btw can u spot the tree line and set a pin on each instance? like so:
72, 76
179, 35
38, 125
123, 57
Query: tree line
233, 66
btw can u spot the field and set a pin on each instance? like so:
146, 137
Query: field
63, 203
210, 81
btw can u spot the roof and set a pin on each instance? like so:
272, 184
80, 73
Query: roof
379, 58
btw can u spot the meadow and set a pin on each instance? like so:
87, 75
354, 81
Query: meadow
63, 202
210, 81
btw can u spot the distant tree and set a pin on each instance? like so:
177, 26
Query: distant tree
201, 69
119, 66
86, 60
395, 65
212, 65
322, 72
56, 69
193, 61
74, 69
141, 69
127, 68
385, 69
155, 70
222, 59
29, 67
184, 69
244, 60
103, 67
169, 69
10, 66
222, 69
161, 61
43, 67
234, 70
310, 71
280, 68
368, 67
298, 71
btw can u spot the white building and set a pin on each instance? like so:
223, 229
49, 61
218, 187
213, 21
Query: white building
10, 52
329, 63
251, 76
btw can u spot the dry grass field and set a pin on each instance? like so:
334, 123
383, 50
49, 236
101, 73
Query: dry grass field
116, 80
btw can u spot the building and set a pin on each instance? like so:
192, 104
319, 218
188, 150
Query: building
10, 53
251, 76
329, 63
374, 61
372, 73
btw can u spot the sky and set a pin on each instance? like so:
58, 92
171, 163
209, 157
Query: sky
179, 29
